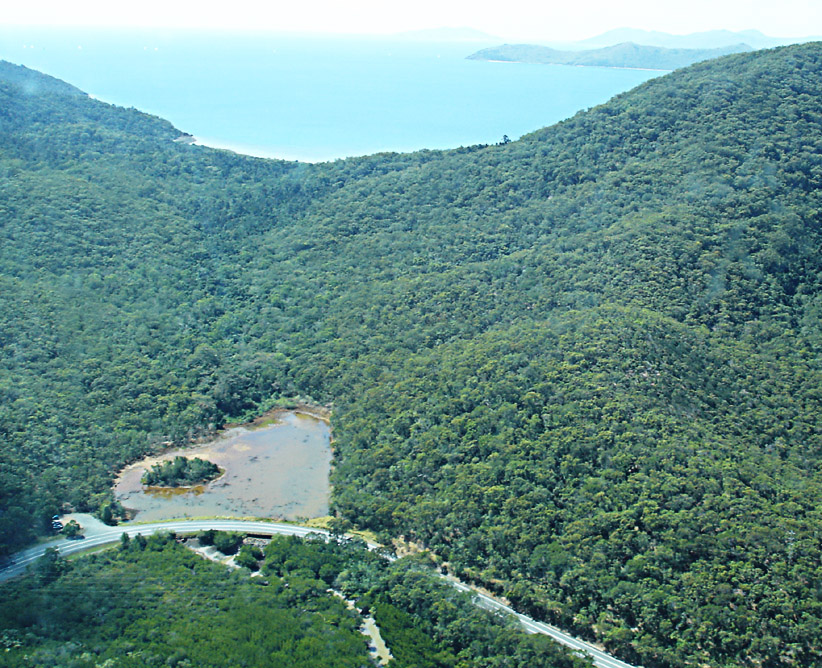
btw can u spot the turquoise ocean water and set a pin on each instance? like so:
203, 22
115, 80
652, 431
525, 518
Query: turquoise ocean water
316, 98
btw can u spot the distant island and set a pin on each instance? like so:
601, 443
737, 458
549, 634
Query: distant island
709, 39
627, 55
180, 472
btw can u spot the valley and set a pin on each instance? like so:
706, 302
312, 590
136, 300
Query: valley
581, 368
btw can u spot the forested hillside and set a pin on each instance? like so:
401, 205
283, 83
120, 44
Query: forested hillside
153, 602
582, 367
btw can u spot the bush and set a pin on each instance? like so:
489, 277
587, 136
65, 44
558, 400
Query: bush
228, 542
206, 537
249, 557
72, 530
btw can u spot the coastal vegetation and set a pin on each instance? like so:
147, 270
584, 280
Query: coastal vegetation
583, 368
181, 471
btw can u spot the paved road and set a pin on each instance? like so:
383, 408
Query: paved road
23, 560
600, 658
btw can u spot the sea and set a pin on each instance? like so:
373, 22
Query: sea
316, 98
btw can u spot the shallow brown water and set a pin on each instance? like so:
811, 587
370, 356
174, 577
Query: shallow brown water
278, 471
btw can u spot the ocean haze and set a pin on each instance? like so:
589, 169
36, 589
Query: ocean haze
316, 98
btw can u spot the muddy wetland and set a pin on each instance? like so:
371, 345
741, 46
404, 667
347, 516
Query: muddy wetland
278, 470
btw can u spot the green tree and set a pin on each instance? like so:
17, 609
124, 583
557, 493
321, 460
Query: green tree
72, 530
228, 542
51, 566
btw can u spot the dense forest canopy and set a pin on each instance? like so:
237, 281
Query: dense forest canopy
582, 367
155, 603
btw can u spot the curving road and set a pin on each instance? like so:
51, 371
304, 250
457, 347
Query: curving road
22, 560
600, 659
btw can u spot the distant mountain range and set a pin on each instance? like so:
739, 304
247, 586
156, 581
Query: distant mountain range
711, 39
626, 54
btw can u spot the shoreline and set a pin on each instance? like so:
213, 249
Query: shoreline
272, 415
268, 418
607, 67
251, 151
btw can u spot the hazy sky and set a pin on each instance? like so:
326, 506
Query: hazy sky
549, 20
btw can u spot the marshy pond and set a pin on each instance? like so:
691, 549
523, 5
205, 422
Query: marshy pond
277, 470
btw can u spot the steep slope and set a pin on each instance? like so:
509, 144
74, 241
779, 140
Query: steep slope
676, 506
583, 367
120, 251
